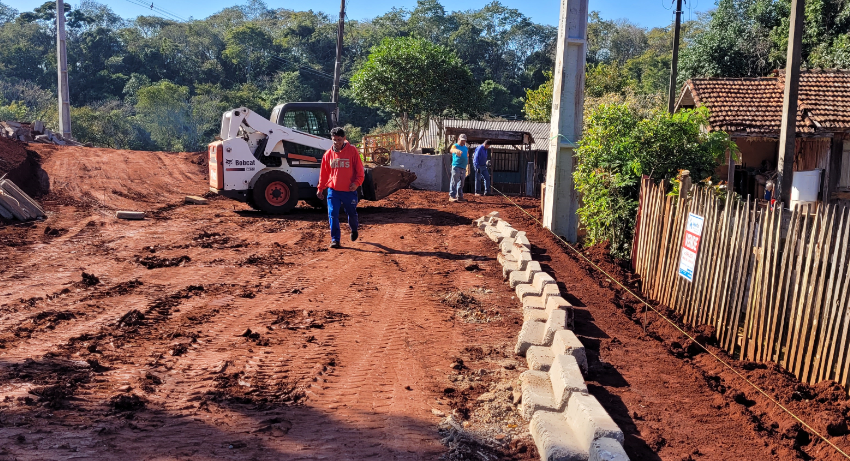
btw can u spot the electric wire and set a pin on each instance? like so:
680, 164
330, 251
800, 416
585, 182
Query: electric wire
157, 9
720, 360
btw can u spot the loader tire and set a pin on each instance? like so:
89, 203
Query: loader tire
275, 192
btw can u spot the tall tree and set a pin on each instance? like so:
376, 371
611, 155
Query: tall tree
413, 80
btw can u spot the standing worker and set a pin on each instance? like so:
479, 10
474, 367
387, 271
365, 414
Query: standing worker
460, 158
480, 160
342, 173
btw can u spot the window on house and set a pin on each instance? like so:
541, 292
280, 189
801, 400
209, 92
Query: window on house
505, 161
844, 180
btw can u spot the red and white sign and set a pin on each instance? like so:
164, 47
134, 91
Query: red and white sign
690, 246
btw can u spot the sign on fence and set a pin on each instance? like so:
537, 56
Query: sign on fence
690, 245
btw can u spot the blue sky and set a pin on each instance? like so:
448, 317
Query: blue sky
646, 13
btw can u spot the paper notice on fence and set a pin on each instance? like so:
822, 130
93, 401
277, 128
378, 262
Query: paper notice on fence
690, 246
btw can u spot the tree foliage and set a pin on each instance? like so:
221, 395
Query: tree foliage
258, 56
414, 80
619, 146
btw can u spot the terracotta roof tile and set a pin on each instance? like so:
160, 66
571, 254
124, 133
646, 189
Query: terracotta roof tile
754, 105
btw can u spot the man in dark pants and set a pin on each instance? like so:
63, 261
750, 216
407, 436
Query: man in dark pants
481, 160
341, 174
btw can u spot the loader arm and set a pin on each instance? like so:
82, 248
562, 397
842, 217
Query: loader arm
232, 120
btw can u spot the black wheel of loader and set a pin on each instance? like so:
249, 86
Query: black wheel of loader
275, 192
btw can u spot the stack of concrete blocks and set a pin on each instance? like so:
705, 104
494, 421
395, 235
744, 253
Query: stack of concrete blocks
16, 204
33, 132
566, 422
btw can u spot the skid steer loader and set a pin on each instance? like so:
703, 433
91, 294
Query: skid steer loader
271, 164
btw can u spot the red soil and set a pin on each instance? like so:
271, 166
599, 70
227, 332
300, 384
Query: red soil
130, 338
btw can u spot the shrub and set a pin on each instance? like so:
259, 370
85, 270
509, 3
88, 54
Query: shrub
618, 147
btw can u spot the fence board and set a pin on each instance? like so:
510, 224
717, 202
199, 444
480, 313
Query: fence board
773, 292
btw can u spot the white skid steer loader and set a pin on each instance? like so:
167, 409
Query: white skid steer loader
273, 165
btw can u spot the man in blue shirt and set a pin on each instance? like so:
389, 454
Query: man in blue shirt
460, 158
480, 161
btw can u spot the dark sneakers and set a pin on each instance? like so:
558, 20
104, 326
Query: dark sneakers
334, 245
354, 235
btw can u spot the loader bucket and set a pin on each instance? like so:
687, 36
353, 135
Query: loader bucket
382, 181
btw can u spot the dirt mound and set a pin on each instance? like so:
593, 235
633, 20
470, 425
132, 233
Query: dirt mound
120, 179
23, 167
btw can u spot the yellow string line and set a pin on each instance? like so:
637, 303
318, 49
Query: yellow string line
754, 386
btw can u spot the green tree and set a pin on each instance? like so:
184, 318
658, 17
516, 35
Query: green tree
735, 42
498, 101
413, 79
538, 102
618, 147
164, 110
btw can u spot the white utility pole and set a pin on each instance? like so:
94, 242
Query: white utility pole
338, 63
561, 201
62, 58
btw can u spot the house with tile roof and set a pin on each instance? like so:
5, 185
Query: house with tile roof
750, 110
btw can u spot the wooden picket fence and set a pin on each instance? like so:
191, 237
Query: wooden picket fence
773, 283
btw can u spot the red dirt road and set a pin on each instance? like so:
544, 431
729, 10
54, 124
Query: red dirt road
148, 355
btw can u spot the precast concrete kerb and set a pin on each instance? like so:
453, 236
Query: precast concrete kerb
566, 422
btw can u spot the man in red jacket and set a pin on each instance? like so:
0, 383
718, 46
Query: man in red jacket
342, 173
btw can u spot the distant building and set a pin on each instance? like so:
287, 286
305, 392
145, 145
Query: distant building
750, 110
519, 150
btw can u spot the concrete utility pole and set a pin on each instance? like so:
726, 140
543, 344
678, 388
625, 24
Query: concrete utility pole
787, 141
62, 65
674, 66
561, 201
338, 64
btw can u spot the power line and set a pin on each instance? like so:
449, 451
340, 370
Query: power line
157, 9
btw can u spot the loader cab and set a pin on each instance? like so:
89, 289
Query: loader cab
314, 118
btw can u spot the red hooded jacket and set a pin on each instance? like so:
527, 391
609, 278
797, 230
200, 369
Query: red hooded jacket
340, 169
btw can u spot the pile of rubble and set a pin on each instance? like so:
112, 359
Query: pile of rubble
33, 132
16, 204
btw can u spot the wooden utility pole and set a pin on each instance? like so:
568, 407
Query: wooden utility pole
560, 198
674, 66
787, 141
62, 65
338, 64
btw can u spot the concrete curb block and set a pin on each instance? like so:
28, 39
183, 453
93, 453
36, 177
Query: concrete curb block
130, 214
606, 449
565, 422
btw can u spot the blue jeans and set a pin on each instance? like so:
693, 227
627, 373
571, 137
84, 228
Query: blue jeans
346, 200
456, 185
482, 177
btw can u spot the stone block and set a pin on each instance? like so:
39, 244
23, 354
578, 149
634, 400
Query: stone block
524, 275
537, 394
535, 288
554, 438
506, 229
493, 234
590, 421
506, 245
566, 379
130, 214
536, 333
195, 200
606, 449
522, 239
558, 302
564, 342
